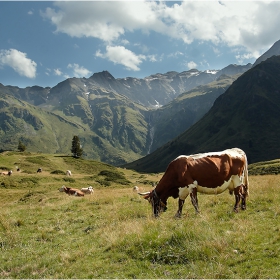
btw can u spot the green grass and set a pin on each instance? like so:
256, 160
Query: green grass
112, 234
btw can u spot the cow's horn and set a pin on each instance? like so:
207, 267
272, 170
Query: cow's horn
143, 193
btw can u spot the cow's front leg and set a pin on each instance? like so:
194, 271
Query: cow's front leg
194, 199
243, 197
238, 195
180, 207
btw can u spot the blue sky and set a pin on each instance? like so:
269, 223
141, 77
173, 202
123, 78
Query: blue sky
44, 42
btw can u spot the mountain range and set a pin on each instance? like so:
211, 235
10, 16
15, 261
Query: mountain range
245, 116
112, 127
121, 120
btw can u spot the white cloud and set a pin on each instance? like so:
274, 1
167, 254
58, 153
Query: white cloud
243, 57
57, 72
252, 24
175, 54
19, 62
79, 71
123, 56
191, 65
152, 58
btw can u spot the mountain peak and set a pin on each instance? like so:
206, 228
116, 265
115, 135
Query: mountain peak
274, 50
104, 74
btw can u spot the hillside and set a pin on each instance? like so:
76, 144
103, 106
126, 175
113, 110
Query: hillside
45, 131
245, 116
176, 117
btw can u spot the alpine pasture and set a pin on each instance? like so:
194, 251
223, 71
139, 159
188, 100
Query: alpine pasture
45, 233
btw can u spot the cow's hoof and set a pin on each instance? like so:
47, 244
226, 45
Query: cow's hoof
178, 216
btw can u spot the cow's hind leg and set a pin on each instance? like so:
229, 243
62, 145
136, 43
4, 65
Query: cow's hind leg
180, 207
194, 199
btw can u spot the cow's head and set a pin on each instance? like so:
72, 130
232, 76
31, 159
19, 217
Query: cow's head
158, 205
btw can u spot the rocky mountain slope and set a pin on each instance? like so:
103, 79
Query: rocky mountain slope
245, 116
152, 91
180, 114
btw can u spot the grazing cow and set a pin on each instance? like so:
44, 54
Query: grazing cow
4, 173
39, 170
209, 173
135, 189
68, 173
10, 172
88, 190
71, 191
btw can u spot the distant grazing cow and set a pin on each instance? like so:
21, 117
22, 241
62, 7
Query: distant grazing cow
88, 190
209, 173
135, 189
39, 170
4, 173
72, 191
68, 173
10, 172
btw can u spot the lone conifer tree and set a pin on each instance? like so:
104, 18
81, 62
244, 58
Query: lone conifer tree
76, 150
21, 146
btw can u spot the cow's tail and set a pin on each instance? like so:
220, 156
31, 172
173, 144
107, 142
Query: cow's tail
246, 177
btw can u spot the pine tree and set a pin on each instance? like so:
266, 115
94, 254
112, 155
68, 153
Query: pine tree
21, 146
76, 150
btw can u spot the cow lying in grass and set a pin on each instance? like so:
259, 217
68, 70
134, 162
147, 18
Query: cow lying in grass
7, 173
71, 191
88, 190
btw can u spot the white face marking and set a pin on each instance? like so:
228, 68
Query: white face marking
232, 183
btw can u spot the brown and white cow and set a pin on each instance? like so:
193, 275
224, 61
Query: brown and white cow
209, 173
71, 191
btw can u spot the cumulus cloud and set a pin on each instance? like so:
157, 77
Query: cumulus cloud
252, 24
79, 71
123, 56
191, 65
19, 61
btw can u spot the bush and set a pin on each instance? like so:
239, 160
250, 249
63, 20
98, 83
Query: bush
115, 177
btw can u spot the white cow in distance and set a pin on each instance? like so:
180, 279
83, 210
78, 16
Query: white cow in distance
88, 190
135, 189
68, 173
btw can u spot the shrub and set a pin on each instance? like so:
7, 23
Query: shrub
115, 177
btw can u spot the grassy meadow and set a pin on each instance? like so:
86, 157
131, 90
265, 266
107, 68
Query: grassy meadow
111, 234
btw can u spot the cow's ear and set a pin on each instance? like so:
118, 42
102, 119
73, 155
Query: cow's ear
146, 195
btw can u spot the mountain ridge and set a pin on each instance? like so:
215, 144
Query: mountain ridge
241, 117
